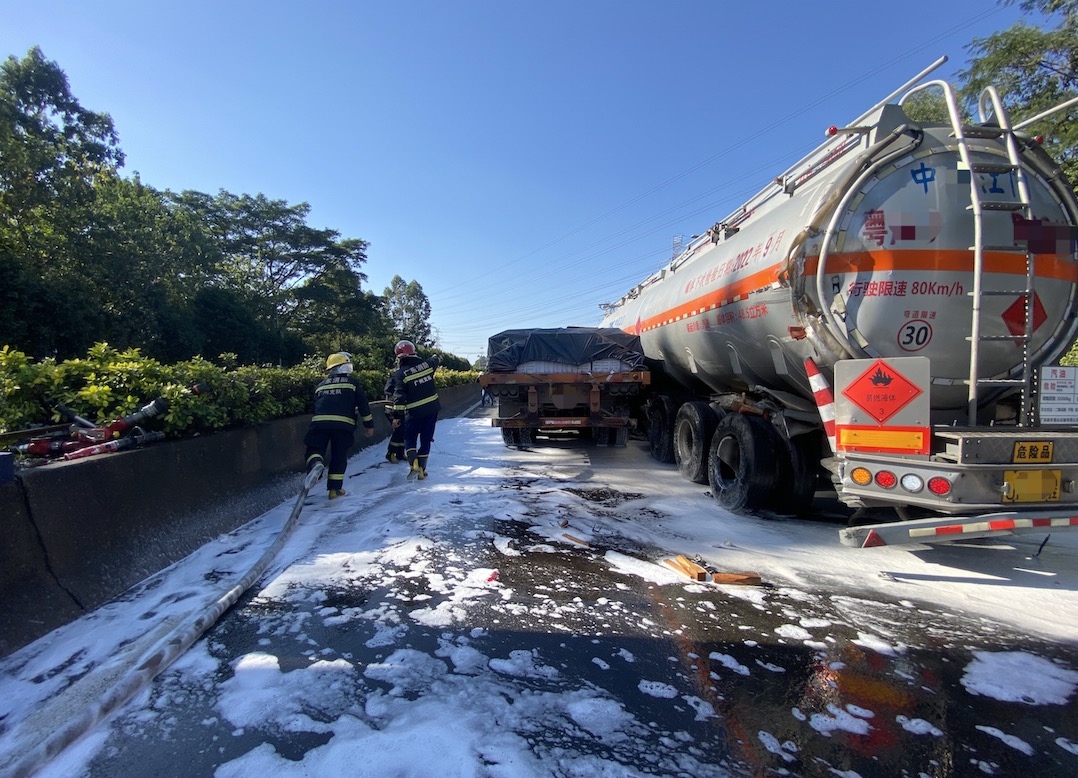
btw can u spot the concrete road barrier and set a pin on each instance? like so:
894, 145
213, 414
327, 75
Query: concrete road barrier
77, 534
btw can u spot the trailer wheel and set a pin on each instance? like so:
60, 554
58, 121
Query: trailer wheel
509, 436
661, 428
741, 468
694, 425
798, 470
620, 437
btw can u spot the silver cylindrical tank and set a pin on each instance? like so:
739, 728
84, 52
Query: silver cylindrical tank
889, 208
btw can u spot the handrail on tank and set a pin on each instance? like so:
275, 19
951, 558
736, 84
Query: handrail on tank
1045, 114
832, 141
770, 191
840, 208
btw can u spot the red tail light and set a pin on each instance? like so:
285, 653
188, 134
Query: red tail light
939, 486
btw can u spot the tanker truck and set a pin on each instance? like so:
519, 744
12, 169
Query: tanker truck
885, 318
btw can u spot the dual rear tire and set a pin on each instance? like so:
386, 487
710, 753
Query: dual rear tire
748, 464
661, 416
739, 456
518, 437
693, 428
742, 467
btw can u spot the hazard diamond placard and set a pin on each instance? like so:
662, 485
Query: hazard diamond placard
881, 391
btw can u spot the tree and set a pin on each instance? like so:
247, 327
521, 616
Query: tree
409, 310
51, 148
282, 266
52, 153
87, 255
335, 314
1034, 69
146, 260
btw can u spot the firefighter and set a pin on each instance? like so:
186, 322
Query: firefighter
415, 404
339, 405
395, 449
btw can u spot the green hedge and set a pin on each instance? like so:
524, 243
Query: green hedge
109, 384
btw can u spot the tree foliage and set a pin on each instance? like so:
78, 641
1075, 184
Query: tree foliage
1034, 68
409, 310
52, 149
87, 255
53, 153
107, 383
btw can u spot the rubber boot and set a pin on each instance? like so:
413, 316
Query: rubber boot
315, 471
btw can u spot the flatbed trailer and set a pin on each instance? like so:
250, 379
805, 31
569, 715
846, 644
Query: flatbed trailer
564, 379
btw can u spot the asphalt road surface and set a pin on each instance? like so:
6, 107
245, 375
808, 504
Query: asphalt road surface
694, 679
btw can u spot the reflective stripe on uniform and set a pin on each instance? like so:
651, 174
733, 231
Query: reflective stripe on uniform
420, 374
341, 385
416, 404
331, 417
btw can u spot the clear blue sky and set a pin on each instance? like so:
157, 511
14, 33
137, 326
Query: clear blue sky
523, 161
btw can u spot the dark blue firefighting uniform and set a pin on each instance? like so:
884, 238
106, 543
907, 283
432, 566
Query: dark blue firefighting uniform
339, 403
395, 448
415, 400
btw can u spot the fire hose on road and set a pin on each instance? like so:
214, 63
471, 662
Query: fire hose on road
120, 683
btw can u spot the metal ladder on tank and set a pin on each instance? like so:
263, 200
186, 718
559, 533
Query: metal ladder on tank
990, 99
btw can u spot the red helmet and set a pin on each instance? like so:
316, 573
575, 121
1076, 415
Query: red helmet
404, 348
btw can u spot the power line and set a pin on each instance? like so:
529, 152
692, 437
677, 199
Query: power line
609, 243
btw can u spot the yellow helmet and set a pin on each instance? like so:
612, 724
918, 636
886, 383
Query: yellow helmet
340, 358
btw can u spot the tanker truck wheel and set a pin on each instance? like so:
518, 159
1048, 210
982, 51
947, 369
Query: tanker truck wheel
742, 468
798, 475
695, 424
518, 437
661, 412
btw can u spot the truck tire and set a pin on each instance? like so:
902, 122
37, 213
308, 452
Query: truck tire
693, 427
742, 468
798, 474
509, 436
661, 414
611, 437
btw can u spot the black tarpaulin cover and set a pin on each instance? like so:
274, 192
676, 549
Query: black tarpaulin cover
571, 345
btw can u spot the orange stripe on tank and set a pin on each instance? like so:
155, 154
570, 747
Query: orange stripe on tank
1058, 267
